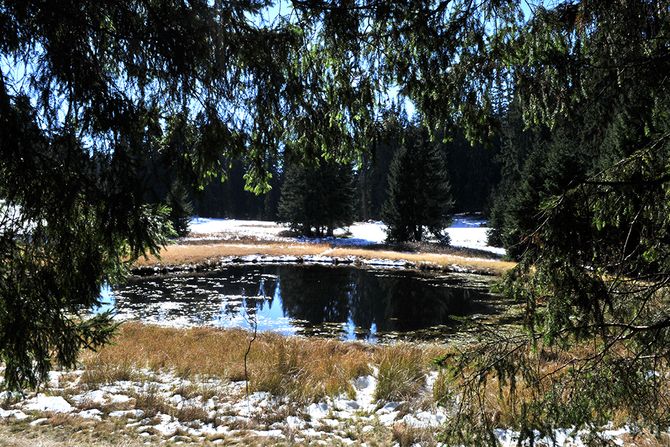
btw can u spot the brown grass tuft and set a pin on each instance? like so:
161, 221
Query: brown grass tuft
406, 435
107, 372
402, 372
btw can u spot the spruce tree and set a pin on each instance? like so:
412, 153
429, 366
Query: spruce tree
295, 199
418, 199
317, 198
181, 208
374, 169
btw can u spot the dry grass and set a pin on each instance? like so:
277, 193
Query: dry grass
443, 391
192, 390
307, 370
504, 402
406, 435
199, 254
402, 372
108, 372
304, 369
67, 432
152, 403
493, 266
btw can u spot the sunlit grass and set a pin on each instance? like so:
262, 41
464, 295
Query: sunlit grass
202, 253
402, 372
199, 253
303, 369
306, 370
493, 266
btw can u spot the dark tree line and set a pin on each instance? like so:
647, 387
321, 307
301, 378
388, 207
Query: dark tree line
440, 175
406, 179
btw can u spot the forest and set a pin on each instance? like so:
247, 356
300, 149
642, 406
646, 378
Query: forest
120, 119
355, 191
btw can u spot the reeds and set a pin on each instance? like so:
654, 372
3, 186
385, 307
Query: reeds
303, 369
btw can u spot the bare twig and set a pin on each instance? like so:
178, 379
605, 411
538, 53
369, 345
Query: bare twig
253, 322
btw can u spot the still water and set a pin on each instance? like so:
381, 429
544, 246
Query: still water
341, 302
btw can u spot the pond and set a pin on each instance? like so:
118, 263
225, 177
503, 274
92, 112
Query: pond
343, 302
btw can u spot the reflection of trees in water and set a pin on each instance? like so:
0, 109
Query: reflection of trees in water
399, 301
366, 306
412, 303
200, 298
315, 295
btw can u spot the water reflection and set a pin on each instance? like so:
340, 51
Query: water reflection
343, 302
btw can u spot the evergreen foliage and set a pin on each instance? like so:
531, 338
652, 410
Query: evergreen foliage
583, 205
418, 200
317, 198
181, 208
473, 171
372, 175
89, 90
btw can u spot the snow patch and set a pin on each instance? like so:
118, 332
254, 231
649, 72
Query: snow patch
97, 397
317, 411
168, 426
42, 402
14, 414
365, 389
94, 414
37, 422
324, 422
464, 232
127, 413
425, 419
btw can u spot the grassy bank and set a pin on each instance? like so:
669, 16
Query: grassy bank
204, 367
303, 369
193, 377
307, 370
180, 254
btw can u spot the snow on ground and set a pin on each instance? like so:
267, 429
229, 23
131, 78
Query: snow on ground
471, 232
465, 232
235, 227
220, 412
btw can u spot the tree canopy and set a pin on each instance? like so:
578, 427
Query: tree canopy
88, 90
318, 198
418, 201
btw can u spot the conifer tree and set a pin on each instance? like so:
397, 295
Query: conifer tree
374, 168
418, 200
181, 208
317, 198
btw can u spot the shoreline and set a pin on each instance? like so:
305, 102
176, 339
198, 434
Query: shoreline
194, 256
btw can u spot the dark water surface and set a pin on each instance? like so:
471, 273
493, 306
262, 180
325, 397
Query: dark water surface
342, 302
